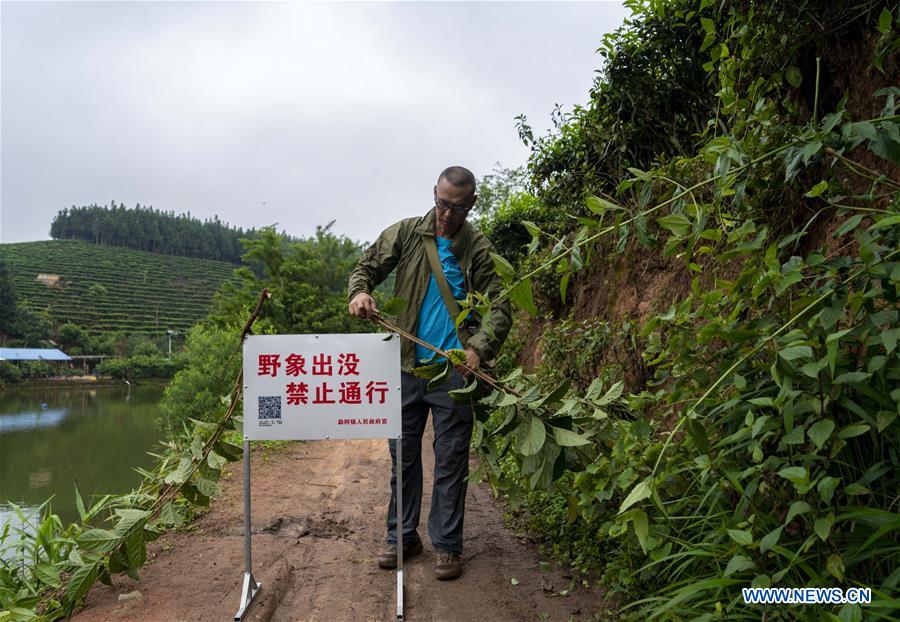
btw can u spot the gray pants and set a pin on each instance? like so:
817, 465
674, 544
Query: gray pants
452, 423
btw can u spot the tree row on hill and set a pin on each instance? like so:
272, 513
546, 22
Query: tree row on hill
148, 229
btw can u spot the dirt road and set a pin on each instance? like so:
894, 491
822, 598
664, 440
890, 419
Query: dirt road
318, 514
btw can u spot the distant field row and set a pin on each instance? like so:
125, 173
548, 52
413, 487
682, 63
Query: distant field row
144, 292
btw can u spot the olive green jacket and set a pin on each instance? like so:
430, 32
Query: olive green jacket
400, 246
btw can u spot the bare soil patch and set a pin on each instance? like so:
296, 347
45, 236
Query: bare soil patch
318, 520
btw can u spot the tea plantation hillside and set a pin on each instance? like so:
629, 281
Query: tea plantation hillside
105, 288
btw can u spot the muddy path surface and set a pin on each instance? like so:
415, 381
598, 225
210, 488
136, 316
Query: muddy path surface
318, 520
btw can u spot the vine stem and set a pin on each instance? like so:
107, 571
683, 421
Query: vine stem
236, 391
505, 293
379, 320
856, 167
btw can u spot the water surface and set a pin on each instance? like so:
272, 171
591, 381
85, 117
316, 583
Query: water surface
54, 438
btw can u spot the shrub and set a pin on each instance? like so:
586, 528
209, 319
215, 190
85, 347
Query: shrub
9, 373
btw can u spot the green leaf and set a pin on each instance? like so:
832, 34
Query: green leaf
599, 205
554, 396
613, 393
797, 508
441, 377
698, 435
100, 540
678, 224
169, 515
181, 473
457, 356
567, 438
81, 581
854, 429
741, 536
641, 528
826, 487
770, 539
817, 190
856, 489
429, 371
883, 419
461, 317
851, 376
394, 306
466, 393
135, 548
884, 21
796, 475
48, 574
889, 339
79, 505
532, 228
793, 353
532, 436
207, 487
822, 527
709, 26
835, 566
231, 452
638, 493
642, 175
503, 268
739, 563
794, 437
793, 76
838, 335
594, 389
564, 286
884, 223
128, 519
820, 431
523, 296
215, 461
849, 225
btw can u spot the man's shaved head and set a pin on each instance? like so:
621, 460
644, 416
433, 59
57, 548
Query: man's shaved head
459, 176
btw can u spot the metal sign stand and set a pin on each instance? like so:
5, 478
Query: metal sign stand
399, 528
266, 350
251, 586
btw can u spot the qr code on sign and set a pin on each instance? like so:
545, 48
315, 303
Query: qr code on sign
269, 410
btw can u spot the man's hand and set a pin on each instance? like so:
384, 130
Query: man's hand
472, 362
362, 306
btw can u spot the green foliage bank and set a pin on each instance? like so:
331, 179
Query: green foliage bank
748, 435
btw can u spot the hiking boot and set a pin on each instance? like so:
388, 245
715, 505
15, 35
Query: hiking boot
387, 558
447, 566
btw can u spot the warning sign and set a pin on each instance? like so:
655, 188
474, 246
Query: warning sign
321, 386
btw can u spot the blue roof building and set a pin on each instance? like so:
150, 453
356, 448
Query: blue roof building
33, 354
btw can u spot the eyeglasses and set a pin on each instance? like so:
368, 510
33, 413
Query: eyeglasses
461, 209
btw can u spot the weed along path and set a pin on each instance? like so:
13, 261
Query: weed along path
318, 514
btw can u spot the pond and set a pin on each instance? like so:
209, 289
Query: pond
54, 438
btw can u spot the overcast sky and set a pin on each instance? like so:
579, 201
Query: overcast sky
287, 113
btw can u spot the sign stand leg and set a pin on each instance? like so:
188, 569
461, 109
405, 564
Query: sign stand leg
399, 467
250, 587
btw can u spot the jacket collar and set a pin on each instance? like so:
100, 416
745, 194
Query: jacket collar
459, 241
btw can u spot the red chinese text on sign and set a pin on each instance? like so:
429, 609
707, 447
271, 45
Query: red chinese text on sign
347, 364
268, 365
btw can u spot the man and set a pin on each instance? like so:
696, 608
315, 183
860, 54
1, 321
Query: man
464, 254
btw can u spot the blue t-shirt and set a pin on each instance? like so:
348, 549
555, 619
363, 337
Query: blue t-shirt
435, 324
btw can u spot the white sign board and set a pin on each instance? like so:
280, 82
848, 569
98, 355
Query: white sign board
321, 386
